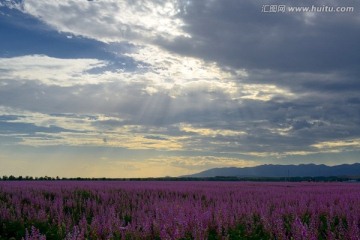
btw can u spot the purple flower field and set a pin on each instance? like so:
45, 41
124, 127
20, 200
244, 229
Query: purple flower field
178, 210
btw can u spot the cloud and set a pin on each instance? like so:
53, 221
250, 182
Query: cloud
239, 35
50, 71
200, 120
215, 79
37, 129
209, 132
66, 122
338, 145
156, 71
111, 21
265, 92
229, 33
12, 4
178, 74
122, 138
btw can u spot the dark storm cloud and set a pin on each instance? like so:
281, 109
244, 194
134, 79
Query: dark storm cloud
321, 83
239, 35
316, 58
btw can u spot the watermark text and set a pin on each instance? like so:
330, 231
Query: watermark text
313, 8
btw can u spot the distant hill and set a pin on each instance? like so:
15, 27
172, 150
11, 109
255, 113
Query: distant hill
302, 170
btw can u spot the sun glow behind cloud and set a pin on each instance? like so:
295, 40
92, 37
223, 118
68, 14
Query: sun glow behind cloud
338, 145
111, 20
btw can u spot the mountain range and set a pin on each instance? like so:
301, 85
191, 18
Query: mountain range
269, 170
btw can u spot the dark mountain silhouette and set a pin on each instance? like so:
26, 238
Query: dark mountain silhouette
302, 170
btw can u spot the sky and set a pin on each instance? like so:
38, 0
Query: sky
122, 88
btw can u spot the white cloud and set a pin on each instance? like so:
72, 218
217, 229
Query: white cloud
12, 4
160, 71
284, 131
51, 71
178, 74
264, 92
141, 23
70, 122
210, 132
111, 20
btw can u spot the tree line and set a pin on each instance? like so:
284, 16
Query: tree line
218, 178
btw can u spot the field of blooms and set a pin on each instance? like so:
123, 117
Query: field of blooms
178, 210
